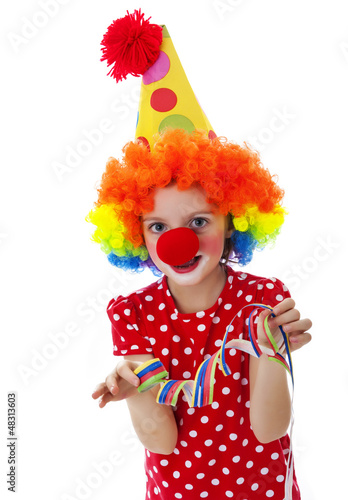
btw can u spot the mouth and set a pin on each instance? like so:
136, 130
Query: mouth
188, 266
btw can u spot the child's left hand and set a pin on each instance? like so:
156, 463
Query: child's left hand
289, 318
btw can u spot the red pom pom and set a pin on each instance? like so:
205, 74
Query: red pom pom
132, 45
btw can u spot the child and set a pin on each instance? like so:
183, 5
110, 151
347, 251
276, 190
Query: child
229, 205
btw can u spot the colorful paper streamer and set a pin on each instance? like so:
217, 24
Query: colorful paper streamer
200, 392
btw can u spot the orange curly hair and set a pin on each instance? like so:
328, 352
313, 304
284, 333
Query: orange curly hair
231, 175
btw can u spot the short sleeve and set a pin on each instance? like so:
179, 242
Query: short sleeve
271, 291
127, 332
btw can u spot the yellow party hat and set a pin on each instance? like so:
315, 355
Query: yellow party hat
134, 46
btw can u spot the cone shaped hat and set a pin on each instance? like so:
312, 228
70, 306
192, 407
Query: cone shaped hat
166, 97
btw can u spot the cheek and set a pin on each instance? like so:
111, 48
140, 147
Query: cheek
151, 247
212, 245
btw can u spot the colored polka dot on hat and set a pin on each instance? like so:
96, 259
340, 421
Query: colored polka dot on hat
167, 99
163, 100
157, 70
176, 121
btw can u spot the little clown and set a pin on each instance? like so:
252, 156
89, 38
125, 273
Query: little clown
189, 206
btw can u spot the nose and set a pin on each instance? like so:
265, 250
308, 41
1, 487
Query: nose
177, 246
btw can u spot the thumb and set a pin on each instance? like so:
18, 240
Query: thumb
125, 370
265, 313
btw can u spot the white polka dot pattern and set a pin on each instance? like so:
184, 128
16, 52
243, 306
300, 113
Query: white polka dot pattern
217, 455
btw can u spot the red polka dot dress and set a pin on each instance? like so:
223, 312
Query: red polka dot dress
217, 455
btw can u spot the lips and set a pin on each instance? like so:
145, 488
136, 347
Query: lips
188, 266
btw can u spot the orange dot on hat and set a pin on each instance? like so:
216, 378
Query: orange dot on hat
163, 100
177, 121
158, 70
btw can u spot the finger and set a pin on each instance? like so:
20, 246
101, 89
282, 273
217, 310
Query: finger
126, 372
299, 326
285, 318
263, 315
111, 383
105, 399
284, 306
99, 390
298, 341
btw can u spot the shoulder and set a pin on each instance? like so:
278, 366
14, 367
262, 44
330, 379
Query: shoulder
136, 299
257, 286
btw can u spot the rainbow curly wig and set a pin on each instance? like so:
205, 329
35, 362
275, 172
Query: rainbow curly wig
231, 175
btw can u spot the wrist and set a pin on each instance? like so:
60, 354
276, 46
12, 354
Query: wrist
268, 350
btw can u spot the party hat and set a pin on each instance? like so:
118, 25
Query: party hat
134, 46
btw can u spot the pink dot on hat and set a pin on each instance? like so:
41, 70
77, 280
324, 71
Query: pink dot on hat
176, 121
158, 70
211, 134
163, 100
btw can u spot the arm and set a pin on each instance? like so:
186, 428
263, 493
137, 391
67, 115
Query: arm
270, 404
153, 423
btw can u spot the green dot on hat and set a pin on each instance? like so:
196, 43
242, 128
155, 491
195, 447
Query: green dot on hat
176, 121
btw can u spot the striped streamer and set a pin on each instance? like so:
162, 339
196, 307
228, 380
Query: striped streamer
200, 392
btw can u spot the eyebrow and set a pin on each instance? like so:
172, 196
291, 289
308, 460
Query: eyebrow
189, 216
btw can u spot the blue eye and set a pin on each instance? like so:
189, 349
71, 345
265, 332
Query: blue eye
199, 222
158, 227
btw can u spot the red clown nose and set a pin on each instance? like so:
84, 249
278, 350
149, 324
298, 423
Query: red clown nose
178, 246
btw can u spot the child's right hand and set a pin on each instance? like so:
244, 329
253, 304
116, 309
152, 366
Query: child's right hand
120, 384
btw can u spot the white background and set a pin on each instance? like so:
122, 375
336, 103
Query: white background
249, 62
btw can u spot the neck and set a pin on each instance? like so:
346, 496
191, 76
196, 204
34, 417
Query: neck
193, 298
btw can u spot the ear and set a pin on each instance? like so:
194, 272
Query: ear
230, 227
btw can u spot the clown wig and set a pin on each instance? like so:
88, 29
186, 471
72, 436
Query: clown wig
231, 175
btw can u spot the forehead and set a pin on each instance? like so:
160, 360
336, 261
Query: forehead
170, 198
